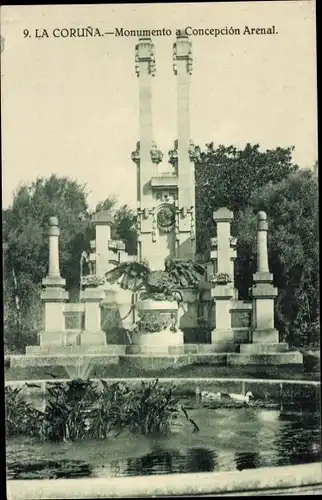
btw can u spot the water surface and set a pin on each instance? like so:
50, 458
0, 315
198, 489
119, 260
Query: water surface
229, 439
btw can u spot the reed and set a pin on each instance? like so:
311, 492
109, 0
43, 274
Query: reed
77, 409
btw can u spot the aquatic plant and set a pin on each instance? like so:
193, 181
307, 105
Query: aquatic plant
77, 409
150, 409
67, 408
109, 411
20, 416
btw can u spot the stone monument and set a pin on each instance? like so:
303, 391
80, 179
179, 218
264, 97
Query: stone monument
166, 228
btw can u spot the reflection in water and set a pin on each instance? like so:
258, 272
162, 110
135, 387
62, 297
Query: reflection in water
159, 461
228, 439
200, 460
247, 460
298, 439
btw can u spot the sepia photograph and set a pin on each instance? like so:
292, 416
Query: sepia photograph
161, 328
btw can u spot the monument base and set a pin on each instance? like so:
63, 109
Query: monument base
97, 338
156, 342
264, 348
267, 359
265, 336
66, 350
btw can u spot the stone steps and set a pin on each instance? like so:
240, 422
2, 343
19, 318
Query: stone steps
113, 349
270, 359
264, 348
79, 363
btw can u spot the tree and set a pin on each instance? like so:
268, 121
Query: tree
227, 177
125, 222
292, 209
247, 181
25, 226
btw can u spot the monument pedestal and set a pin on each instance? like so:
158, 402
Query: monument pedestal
93, 335
54, 298
265, 348
223, 294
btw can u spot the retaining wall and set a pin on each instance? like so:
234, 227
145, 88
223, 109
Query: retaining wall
246, 482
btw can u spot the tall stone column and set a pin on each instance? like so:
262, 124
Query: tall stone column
263, 290
223, 292
182, 66
143, 156
54, 295
262, 255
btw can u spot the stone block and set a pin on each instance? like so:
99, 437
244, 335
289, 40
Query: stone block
72, 337
52, 293
49, 338
281, 358
217, 359
264, 348
93, 295
34, 349
62, 360
265, 336
180, 349
157, 342
93, 338
76, 349
223, 214
242, 335
264, 291
263, 277
219, 335
222, 292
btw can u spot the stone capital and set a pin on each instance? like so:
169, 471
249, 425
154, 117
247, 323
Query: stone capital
53, 227
223, 215
53, 282
144, 53
262, 277
54, 294
93, 295
264, 291
222, 292
103, 217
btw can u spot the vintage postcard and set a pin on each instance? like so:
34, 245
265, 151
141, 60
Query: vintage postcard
160, 249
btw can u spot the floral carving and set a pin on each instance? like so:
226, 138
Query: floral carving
151, 61
156, 154
221, 278
187, 57
233, 241
174, 56
135, 156
116, 245
92, 281
194, 152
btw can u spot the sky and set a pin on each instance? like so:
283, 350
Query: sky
70, 105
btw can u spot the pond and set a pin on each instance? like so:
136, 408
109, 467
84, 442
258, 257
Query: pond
229, 439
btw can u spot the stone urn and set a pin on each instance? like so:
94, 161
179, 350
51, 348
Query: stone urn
121, 300
157, 327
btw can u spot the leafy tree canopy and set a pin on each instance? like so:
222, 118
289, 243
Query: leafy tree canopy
228, 177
